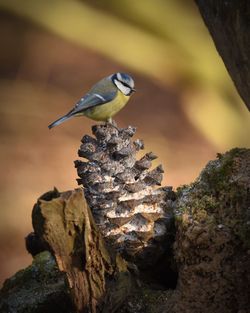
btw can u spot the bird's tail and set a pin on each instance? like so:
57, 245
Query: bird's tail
60, 120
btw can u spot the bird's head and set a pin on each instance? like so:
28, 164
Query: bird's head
124, 83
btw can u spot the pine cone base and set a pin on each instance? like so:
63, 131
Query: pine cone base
132, 213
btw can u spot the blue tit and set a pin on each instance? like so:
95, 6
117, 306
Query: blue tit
104, 100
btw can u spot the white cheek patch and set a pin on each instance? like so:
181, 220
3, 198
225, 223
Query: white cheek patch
119, 76
122, 88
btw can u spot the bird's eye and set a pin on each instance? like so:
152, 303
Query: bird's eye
126, 85
123, 87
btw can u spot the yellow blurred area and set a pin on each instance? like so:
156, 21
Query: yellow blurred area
186, 108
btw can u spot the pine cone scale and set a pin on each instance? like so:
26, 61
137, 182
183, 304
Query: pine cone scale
121, 192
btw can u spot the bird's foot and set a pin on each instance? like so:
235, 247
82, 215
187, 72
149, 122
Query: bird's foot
111, 122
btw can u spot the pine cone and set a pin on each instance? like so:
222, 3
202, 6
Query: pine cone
121, 191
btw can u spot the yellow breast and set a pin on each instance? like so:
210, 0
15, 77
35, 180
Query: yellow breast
104, 111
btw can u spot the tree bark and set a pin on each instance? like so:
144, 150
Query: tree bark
229, 25
212, 243
66, 226
212, 246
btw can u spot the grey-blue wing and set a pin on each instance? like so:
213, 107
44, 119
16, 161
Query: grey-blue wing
92, 100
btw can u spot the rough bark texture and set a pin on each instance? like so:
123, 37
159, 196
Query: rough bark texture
229, 26
65, 225
212, 245
133, 215
212, 250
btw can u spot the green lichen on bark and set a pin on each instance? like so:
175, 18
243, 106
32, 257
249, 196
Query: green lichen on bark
213, 236
221, 193
211, 250
39, 288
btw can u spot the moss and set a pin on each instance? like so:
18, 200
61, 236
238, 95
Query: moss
180, 189
217, 173
213, 238
35, 288
146, 300
218, 196
42, 263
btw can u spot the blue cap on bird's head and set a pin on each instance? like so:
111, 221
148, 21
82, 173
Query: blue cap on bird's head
124, 83
104, 99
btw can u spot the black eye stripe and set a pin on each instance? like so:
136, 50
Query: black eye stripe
126, 85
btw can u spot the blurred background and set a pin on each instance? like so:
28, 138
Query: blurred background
186, 108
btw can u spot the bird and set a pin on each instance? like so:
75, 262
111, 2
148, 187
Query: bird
106, 98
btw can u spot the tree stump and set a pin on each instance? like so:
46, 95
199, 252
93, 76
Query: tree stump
212, 246
79, 272
65, 225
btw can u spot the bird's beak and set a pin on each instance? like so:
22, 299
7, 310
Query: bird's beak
133, 89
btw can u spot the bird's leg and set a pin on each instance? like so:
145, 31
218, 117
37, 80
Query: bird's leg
111, 122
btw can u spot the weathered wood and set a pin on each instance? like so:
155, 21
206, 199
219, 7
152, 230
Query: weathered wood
213, 238
64, 222
211, 249
229, 26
